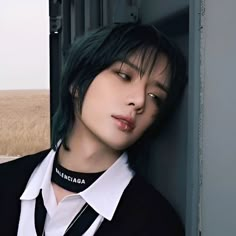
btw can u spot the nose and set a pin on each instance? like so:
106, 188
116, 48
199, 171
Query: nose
136, 98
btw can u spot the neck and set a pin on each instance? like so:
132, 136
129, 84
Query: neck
87, 154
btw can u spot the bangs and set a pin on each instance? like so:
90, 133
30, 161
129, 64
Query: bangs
138, 42
146, 60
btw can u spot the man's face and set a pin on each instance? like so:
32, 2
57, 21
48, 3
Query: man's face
120, 105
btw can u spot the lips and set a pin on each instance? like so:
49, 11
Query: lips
124, 123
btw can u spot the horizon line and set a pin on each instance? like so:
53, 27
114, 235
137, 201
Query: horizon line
24, 89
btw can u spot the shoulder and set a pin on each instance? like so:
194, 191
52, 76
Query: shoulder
19, 170
24, 162
149, 209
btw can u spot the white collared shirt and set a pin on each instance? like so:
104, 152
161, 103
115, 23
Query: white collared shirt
103, 196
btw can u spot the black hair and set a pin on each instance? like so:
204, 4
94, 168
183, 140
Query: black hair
97, 51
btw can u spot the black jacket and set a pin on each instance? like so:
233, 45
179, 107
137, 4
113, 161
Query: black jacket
142, 211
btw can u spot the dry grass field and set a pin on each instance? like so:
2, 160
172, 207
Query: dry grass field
24, 122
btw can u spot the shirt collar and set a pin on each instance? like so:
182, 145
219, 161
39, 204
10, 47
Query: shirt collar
103, 195
40, 178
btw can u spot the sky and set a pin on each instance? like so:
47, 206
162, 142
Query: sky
24, 44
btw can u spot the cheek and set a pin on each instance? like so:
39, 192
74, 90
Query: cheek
144, 124
152, 111
150, 117
102, 87
150, 122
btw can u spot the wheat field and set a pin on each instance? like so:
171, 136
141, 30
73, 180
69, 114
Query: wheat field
24, 122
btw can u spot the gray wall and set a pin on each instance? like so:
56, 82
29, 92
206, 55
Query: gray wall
158, 9
219, 117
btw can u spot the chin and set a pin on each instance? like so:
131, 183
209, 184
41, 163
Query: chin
120, 147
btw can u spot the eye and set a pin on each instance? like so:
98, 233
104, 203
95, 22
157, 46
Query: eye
157, 99
123, 76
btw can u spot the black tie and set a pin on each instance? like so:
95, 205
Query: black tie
79, 225
39, 214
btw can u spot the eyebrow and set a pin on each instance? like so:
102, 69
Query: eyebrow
161, 86
135, 67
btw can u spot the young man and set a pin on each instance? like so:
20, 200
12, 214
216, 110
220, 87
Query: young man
119, 83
